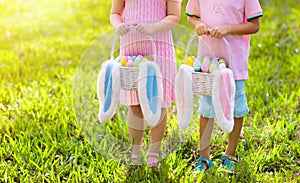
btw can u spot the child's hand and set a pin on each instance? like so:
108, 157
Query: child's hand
220, 31
122, 29
201, 29
145, 28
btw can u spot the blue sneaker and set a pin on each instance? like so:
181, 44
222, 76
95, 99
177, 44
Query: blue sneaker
203, 164
229, 161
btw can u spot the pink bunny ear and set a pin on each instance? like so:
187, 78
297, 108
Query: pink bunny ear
223, 93
184, 95
108, 89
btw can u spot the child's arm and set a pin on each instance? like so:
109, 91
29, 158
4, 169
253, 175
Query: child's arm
167, 23
249, 27
116, 17
199, 27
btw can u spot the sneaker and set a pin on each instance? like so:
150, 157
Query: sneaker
203, 164
229, 161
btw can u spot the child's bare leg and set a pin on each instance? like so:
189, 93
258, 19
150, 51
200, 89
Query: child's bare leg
157, 134
206, 128
136, 127
234, 136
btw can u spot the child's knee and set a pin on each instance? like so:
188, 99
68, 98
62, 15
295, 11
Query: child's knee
136, 111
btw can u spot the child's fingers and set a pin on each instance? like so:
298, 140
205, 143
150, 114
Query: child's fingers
216, 33
213, 33
122, 29
140, 28
199, 32
144, 29
201, 29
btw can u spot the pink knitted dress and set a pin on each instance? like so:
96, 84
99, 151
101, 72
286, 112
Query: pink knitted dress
135, 44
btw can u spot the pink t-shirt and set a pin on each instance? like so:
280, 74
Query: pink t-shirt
222, 12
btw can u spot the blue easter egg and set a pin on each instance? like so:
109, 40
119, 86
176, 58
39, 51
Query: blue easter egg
133, 57
197, 66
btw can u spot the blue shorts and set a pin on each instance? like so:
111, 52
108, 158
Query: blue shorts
206, 108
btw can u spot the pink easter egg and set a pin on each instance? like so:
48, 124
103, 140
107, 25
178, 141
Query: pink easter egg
130, 63
206, 59
205, 64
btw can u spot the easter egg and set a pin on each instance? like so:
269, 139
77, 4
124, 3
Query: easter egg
139, 56
213, 67
146, 58
205, 64
200, 59
123, 62
136, 63
222, 61
129, 63
190, 61
214, 60
138, 59
222, 66
133, 57
197, 66
206, 58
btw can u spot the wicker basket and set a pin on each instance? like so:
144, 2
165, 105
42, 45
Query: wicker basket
129, 75
128, 78
202, 82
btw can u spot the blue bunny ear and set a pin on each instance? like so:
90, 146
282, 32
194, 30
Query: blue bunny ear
223, 92
150, 91
184, 95
108, 89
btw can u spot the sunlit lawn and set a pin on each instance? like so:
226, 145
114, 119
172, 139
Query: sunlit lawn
42, 43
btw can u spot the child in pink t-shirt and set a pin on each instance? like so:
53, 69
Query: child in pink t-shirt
135, 21
234, 20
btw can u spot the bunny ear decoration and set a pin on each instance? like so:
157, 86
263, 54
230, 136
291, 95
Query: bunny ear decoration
150, 91
184, 95
223, 92
108, 89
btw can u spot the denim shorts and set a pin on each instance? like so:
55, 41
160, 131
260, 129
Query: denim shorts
206, 108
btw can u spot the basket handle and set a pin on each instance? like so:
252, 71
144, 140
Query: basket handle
149, 37
192, 39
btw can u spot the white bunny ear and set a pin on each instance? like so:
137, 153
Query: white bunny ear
223, 92
108, 89
184, 95
150, 91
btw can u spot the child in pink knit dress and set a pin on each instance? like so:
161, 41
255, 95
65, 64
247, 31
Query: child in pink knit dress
234, 20
153, 18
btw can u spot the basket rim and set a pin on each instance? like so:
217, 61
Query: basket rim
223, 38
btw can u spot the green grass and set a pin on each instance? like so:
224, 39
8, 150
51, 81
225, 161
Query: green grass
45, 50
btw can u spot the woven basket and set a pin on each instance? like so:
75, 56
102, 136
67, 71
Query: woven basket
202, 82
129, 75
128, 78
